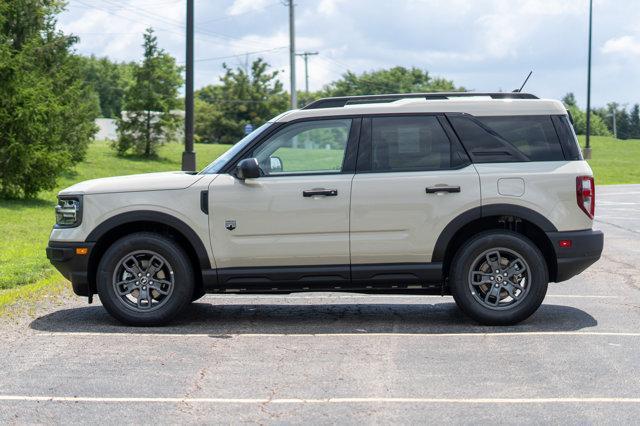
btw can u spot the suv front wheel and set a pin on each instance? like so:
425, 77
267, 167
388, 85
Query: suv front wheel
145, 279
499, 278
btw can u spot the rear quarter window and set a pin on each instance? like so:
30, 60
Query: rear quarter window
509, 138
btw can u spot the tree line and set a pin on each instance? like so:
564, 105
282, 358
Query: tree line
50, 97
612, 120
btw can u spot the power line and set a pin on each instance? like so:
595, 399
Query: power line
149, 15
306, 55
224, 18
217, 58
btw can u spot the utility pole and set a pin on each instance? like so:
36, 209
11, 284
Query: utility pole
306, 55
615, 130
587, 149
189, 156
292, 54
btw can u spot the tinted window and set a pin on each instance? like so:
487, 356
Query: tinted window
512, 138
534, 136
408, 144
306, 147
568, 138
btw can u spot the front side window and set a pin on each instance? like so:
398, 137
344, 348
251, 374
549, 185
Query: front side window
306, 147
409, 143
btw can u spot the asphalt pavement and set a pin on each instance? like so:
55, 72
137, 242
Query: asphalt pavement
344, 358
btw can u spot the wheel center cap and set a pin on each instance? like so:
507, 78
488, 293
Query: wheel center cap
499, 278
143, 280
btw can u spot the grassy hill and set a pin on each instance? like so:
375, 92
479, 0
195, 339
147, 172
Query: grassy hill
614, 161
25, 225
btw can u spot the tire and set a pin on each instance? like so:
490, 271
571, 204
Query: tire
145, 279
488, 297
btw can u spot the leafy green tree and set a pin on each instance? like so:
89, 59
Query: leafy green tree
242, 98
109, 80
46, 111
148, 121
598, 125
393, 80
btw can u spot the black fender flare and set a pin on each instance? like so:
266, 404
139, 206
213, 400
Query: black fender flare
158, 217
489, 210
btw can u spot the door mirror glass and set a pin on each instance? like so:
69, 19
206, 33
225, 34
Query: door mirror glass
276, 165
248, 169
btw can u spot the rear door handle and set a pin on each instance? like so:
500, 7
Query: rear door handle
321, 192
436, 189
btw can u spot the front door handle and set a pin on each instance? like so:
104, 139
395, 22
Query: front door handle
436, 189
322, 192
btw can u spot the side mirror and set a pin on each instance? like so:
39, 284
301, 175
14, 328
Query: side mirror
248, 169
275, 164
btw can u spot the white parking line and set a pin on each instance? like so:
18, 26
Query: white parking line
222, 334
355, 400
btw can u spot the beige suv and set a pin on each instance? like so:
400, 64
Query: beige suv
482, 196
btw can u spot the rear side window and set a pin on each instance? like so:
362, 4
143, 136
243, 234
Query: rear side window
567, 136
408, 143
509, 138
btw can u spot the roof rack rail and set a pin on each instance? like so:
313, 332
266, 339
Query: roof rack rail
342, 101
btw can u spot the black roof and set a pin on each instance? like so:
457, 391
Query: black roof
341, 101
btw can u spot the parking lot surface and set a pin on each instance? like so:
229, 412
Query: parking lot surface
327, 358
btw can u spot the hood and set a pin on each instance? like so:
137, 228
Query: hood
132, 183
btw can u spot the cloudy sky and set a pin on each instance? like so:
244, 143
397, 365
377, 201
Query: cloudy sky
480, 44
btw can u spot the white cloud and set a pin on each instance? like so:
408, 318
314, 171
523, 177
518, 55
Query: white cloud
328, 7
242, 6
625, 45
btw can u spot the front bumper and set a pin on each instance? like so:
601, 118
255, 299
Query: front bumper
586, 248
74, 267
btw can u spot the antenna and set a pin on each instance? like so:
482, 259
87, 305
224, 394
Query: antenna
525, 82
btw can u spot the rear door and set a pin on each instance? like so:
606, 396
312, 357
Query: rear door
412, 179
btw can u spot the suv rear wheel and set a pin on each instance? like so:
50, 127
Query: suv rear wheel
145, 279
499, 278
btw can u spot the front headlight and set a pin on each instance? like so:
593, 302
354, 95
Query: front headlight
69, 211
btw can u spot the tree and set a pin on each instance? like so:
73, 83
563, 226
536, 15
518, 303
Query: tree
393, 80
570, 99
242, 98
47, 112
148, 121
598, 125
109, 80
634, 122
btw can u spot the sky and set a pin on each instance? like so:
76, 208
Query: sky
482, 45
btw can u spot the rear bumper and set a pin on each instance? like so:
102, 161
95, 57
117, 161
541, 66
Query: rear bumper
74, 267
586, 248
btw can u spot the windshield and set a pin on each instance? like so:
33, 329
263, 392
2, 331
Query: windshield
219, 163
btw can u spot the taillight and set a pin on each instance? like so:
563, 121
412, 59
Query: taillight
586, 195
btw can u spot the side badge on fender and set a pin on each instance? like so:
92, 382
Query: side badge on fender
230, 224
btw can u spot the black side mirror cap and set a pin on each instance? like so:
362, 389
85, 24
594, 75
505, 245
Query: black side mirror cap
248, 169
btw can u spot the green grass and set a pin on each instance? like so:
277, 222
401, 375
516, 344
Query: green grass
25, 225
614, 161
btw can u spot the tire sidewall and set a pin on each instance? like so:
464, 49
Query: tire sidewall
167, 248
462, 265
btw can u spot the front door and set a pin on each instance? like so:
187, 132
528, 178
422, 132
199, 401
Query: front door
291, 225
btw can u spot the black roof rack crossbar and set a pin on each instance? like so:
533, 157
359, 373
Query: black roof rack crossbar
341, 101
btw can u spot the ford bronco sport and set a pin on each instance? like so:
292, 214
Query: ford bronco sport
482, 196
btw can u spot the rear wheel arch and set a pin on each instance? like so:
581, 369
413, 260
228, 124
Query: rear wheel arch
496, 216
